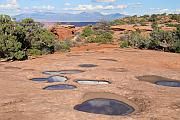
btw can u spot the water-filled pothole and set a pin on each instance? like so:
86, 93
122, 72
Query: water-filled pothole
87, 65
158, 80
113, 60
106, 104
60, 87
62, 72
39, 79
93, 82
168, 83
51, 79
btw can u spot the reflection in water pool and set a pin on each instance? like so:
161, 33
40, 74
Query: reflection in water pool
62, 72
168, 83
51, 79
60, 87
105, 106
92, 82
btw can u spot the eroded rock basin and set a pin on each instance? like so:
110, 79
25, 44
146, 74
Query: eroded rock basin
106, 104
60, 87
62, 72
92, 82
158, 80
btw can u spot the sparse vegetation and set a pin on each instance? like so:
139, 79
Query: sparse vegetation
101, 38
87, 31
99, 33
158, 40
62, 45
155, 18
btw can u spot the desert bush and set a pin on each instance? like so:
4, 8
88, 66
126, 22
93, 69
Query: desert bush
99, 33
162, 39
157, 40
155, 26
134, 40
118, 22
175, 17
124, 44
87, 31
18, 40
102, 26
62, 45
102, 38
176, 46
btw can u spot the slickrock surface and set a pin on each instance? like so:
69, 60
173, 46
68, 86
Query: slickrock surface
23, 99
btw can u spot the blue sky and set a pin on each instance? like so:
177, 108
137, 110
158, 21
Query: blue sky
129, 7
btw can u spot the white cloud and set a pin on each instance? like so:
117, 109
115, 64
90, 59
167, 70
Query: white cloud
43, 8
162, 10
122, 6
67, 4
91, 7
105, 0
13, 4
10, 4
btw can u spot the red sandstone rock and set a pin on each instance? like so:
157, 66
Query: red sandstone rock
63, 33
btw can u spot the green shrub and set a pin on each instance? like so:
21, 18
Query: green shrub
158, 40
20, 39
102, 38
62, 45
124, 44
87, 32
34, 52
118, 22
134, 40
20, 55
155, 26
162, 40
176, 46
103, 26
91, 39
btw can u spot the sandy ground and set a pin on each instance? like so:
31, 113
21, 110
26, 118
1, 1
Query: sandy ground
22, 99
